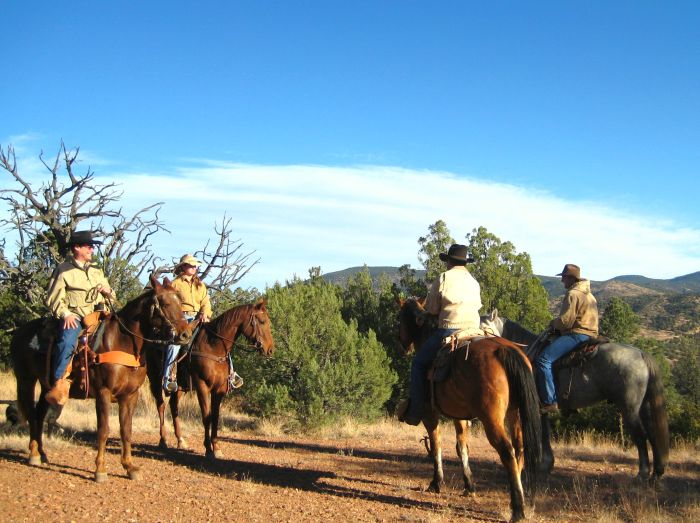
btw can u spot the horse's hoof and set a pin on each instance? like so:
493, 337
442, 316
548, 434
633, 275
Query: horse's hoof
35, 461
162, 445
209, 454
135, 474
100, 477
469, 493
182, 444
434, 487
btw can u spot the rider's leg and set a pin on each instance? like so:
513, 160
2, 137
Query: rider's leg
169, 368
60, 358
558, 348
419, 368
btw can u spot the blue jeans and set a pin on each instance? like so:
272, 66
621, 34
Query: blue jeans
419, 369
63, 351
170, 355
562, 346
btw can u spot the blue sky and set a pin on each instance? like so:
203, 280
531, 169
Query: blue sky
334, 133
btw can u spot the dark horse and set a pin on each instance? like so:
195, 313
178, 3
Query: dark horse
207, 363
490, 379
156, 313
621, 374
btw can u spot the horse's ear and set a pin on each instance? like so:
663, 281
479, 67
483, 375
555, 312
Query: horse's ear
260, 304
421, 302
155, 284
400, 301
166, 281
494, 315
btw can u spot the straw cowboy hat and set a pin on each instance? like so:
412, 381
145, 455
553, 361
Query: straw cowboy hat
457, 253
188, 259
571, 270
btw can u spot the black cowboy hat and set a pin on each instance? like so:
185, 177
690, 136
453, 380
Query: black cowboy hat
457, 253
83, 238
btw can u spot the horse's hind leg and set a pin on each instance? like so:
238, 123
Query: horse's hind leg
497, 436
639, 437
32, 411
175, 413
647, 422
127, 405
157, 393
462, 435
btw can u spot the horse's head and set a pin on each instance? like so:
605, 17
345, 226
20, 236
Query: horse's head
257, 328
411, 322
493, 324
166, 317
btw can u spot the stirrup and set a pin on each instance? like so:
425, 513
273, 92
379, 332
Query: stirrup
235, 381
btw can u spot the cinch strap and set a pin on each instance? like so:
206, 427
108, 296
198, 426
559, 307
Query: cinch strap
118, 357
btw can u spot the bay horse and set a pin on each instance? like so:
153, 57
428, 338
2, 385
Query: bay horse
116, 375
621, 374
489, 379
207, 365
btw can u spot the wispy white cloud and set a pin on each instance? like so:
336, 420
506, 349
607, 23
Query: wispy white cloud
299, 216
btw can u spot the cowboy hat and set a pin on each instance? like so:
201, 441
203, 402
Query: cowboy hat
457, 253
571, 270
83, 238
188, 259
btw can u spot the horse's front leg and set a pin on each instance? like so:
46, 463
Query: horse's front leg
102, 402
127, 406
205, 407
175, 412
216, 398
432, 425
462, 435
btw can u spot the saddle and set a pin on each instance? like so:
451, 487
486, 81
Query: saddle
84, 353
440, 369
584, 351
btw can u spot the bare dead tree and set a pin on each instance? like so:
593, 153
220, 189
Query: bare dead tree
43, 218
223, 264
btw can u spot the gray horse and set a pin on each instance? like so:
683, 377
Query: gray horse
621, 374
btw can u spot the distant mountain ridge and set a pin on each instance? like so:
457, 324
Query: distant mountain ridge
666, 308
688, 283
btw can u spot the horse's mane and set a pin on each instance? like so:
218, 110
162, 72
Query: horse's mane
517, 333
128, 307
224, 320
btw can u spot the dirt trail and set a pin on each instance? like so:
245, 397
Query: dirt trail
295, 478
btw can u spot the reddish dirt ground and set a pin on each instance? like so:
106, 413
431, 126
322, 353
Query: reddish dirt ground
297, 478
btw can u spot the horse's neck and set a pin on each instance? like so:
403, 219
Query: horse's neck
123, 329
228, 327
515, 332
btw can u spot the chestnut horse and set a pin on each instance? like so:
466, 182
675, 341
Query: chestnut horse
156, 314
207, 363
490, 379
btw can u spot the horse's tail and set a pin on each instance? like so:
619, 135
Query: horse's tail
655, 399
523, 387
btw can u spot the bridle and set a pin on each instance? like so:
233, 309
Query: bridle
254, 323
155, 309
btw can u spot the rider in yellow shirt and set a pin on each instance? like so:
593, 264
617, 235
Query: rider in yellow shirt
195, 304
